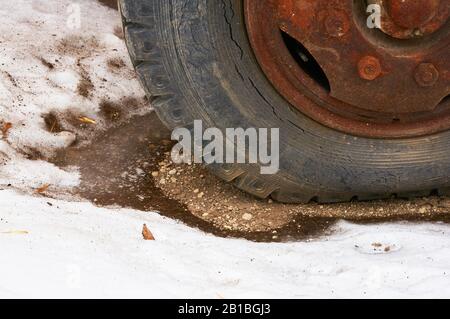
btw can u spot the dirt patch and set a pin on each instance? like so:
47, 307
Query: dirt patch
52, 123
85, 86
128, 165
115, 64
76, 45
110, 111
87, 127
109, 3
116, 169
47, 64
32, 153
10, 78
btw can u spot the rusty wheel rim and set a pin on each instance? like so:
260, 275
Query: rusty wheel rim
388, 82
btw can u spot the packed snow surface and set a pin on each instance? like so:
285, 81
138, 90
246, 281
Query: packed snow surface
63, 249
54, 58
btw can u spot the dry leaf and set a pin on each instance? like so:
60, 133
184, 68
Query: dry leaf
87, 120
147, 234
42, 189
15, 232
5, 129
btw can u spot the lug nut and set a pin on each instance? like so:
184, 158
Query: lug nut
369, 68
336, 23
426, 75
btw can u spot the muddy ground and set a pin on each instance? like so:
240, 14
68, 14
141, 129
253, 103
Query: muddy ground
128, 165
109, 3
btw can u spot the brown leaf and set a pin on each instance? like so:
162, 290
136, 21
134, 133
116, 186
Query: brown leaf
87, 120
147, 234
42, 189
5, 129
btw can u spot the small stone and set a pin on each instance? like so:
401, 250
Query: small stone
423, 209
155, 174
247, 216
196, 191
162, 181
200, 195
173, 172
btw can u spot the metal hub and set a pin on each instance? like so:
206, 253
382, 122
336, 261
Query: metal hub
404, 19
324, 59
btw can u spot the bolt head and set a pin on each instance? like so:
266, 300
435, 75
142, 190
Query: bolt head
426, 75
369, 68
336, 23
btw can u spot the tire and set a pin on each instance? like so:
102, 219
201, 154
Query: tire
195, 62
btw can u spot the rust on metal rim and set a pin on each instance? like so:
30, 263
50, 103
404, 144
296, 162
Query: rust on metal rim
405, 19
378, 83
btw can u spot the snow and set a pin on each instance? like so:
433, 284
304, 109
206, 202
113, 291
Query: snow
73, 249
76, 250
40, 30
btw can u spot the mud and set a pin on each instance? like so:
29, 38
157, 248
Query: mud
125, 167
116, 171
46, 63
115, 64
109, 3
85, 85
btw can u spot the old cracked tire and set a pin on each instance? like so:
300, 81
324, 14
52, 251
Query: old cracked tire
195, 62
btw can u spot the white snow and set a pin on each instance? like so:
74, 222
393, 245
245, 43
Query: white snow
62, 248
36, 30
77, 250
